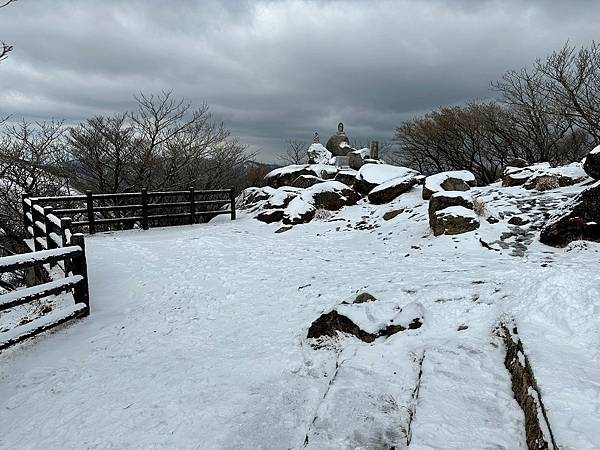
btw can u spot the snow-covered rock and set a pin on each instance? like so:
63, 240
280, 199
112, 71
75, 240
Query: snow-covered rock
591, 166
455, 180
285, 176
578, 220
371, 175
329, 195
305, 181
388, 191
445, 199
454, 220
318, 154
346, 176
356, 158
543, 175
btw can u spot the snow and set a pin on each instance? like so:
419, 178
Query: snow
465, 195
457, 211
197, 337
40, 256
595, 150
319, 154
380, 173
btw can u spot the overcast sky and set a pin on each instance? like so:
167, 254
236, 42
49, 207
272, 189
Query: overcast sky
274, 70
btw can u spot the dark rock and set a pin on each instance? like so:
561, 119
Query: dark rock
462, 327
453, 222
364, 297
347, 177
517, 220
270, 216
518, 162
391, 214
331, 323
591, 166
443, 200
580, 221
455, 184
335, 199
305, 181
386, 192
356, 158
492, 220
283, 229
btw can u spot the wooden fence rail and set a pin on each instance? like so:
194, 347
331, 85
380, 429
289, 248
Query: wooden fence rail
49, 221
75, 281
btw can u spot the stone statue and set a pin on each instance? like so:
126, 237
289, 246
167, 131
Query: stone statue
339, 144
316, 138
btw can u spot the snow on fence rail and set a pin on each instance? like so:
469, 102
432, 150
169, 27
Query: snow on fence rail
50, 227
75, 282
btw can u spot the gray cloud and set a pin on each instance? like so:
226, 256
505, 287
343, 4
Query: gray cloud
276, 69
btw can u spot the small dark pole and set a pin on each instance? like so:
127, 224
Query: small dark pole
48, 224
192, 205
232, 199
78, 265
90, 212
145, 209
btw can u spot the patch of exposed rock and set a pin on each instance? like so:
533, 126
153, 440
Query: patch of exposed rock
388, 191
578, 220
543, 177
591, 166
456, 180
453, 220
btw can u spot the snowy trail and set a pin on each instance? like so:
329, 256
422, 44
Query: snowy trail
196, 340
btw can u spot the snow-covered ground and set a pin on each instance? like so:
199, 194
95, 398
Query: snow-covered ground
197, 337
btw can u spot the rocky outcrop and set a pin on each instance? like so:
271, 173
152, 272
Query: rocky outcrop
329, 195
578, 220
591, 166
285, 176
356, 158
388, 191
542, 176
363, 320
456, 180
306, 181
372, 175
453, 220
346, 176
446, 199
317, 154
270, 216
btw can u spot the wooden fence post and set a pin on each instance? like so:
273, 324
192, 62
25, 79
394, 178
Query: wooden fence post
49, 226
26, 209
34, 213
78, 265
65, 230
90, 211
192, 205
232, 199
145, 209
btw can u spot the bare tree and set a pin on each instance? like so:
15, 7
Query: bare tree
5, 49
295, 152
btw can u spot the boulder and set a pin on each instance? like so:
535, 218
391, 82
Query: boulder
455, 180
543, 182
367, 321
305, 181
445, 199
578, 220
591, 166
388, 191
317, 154
346, 176
285, 176
250, 197
356, 158
518, 162
389, 215
372, 175
543, 176
453, 220
270, 216
329, 195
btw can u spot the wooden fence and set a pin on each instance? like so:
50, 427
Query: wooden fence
75, 281
49, 221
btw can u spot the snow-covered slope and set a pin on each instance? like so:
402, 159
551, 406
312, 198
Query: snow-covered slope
197, 336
